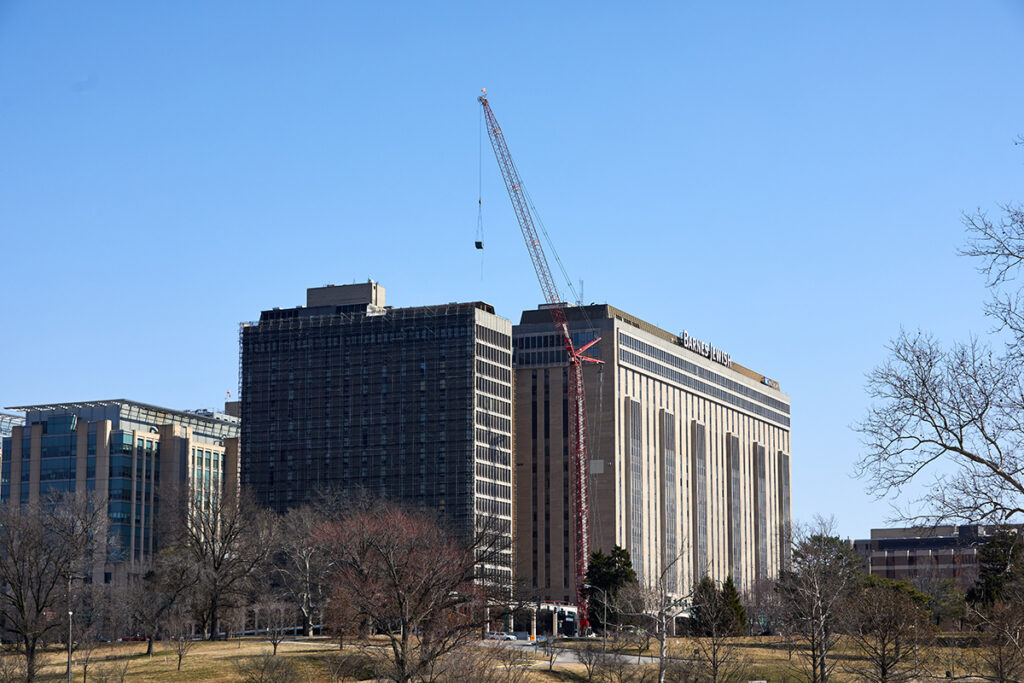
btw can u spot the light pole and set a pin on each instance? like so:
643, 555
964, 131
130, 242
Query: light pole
604, 621
70, 614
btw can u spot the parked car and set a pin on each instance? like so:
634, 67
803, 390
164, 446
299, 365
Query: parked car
498, 635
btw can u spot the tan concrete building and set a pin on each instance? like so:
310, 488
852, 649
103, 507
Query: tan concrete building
689, 455
925, 555
137, 457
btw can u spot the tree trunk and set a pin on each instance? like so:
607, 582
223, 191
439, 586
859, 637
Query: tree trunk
30, 662
214, 633
149, 645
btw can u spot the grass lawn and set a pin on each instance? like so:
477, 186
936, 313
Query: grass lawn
206, 661
764, 658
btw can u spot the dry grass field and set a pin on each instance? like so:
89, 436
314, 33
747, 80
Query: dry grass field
217, 661
763, 658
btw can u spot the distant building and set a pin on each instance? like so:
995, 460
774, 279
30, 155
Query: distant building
922, 555
412, 405
689, 455
135, 457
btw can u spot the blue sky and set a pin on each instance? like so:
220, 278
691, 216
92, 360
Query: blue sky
785, 181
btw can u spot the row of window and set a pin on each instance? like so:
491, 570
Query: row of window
553, 357
493, 337
493, 455
687, 381
350, 337
501, 424
491, 472
494, 439
703, 373
489, 488
499, 373
493, 405
493, 507
494, 388
492, 354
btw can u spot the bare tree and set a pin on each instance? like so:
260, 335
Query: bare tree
114, 669
163, 589
235, 621
590, 655
43, 549
180, 629
466, 663
955, 410
230, 543
1001, 651
550, 649
267, 669
301, 563
12, 668
765, 611
515, 662
655, 607
278, 618
615, 666
713, 622
101, 614
825, 570
887, 623
404, 575
356, 665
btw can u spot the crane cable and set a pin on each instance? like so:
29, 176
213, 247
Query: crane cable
479, 242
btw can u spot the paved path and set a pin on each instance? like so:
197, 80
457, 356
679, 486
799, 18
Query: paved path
566, 655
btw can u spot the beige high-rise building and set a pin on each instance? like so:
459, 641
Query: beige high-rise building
689, 455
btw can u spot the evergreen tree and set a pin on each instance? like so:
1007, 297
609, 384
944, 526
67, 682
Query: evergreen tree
705, 611
1000, 561
731, 598
605, 576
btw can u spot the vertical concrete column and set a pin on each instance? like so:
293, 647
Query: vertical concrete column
533, 626
81, 458
35, 460
137, 452
103, 428
14, 497
554, 623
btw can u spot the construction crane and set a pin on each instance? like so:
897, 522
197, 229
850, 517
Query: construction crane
577, 398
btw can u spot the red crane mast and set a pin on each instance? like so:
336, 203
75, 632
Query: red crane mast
577, 398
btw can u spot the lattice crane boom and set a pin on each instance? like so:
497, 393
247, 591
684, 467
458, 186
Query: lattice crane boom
577, 398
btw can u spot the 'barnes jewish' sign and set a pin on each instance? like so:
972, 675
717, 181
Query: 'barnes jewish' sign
706, 349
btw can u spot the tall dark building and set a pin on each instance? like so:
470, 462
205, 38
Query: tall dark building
410, 404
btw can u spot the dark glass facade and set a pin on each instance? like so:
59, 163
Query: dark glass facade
411, 405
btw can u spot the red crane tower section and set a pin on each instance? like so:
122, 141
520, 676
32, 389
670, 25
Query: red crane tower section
577, 399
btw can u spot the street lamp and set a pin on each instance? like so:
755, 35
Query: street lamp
604, 621
70, 614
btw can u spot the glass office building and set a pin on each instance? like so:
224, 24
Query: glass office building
411, 405
130, 455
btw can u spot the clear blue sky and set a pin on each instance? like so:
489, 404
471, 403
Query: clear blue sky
785, 181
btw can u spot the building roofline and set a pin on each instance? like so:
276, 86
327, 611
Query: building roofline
617, 313
212, 417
